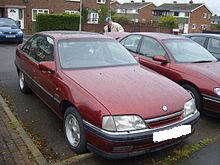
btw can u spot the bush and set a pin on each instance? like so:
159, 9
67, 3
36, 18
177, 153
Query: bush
168, 22
57, 22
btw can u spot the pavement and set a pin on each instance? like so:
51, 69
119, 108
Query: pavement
17, 148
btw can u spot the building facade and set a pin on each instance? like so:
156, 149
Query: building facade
138, 12
25, 11
191, 17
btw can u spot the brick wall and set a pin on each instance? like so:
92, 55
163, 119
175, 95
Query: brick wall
197, 18
146, 13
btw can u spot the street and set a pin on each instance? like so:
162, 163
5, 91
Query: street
46, 130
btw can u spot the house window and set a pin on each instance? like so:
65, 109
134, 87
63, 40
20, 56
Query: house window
204, 26
186, 14
193, 26
35, 12
176, 14
101, 1
131, 11
209, 16
93, 17
204, 15
72, 11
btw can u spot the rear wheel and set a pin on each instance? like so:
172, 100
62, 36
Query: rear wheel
22, 83
195, 95
74, 131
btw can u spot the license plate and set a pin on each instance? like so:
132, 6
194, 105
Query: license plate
10, 36
171, 133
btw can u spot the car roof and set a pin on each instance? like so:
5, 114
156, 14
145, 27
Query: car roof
65, 34
202, 34
160, 36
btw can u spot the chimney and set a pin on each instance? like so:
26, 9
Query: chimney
191, 2
132, 1
143, 1
175, 2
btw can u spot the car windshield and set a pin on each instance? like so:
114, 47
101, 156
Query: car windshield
90, 53
7, 23
188, 51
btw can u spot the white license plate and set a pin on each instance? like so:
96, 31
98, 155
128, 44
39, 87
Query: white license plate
10, 36
171, 133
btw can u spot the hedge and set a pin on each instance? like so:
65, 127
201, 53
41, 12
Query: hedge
57, 22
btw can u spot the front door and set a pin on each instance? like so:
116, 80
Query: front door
17, 14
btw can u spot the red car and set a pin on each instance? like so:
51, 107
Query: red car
109, 103
181, 60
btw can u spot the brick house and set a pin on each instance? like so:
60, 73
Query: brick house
25, 11
191, 17
139, 12
215, 20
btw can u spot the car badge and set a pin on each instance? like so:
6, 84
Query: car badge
164, 108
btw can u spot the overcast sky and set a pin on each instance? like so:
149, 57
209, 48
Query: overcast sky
212, 5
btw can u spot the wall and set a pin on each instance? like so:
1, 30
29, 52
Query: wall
196, 17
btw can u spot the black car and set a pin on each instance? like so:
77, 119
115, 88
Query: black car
210, 41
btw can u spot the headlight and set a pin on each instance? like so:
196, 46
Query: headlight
189, 107
123, 123
20, 32
0, 32
217, 91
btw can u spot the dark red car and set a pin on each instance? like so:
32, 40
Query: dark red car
183, 61
109, 103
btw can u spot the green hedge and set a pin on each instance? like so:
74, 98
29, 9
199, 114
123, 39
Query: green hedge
57, 22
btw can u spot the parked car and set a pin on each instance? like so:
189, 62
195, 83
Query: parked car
181, 60
209, 41
109, 103
10, 31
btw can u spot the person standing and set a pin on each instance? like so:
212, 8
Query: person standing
112, 26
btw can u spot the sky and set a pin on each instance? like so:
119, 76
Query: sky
212, 5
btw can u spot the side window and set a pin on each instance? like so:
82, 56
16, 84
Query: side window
213, 45
131, 42
150, 47
40, 48
199, 40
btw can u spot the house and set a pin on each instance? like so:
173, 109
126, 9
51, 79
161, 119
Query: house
139, 12
215, 20
25, 11
191, 17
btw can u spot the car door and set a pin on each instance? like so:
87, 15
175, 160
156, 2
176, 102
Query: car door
41, 49
46, 80
150, 47
213, 46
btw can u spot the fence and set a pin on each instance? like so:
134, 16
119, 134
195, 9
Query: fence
99, 28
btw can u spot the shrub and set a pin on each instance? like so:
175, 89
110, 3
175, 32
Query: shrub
57, 22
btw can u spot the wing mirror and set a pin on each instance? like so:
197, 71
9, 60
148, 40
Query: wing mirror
48, 66
159, 58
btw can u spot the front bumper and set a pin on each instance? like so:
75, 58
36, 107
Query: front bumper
15, 38
122, 145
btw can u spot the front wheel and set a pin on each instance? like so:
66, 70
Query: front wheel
74, 131
195, 95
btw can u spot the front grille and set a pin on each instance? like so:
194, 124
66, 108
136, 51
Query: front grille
10, 33
164, 120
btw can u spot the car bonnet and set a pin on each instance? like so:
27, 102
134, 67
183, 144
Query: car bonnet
131, 90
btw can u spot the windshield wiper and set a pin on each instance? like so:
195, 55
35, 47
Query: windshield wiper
202, 61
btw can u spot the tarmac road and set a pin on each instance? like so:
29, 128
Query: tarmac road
48, 132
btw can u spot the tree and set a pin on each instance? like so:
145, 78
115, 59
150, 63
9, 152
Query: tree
103, 13
168, 21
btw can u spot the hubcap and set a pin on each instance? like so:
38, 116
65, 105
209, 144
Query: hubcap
72, 130
21, 80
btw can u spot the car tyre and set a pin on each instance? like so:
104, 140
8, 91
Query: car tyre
74, 130
22, 83
195, 94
